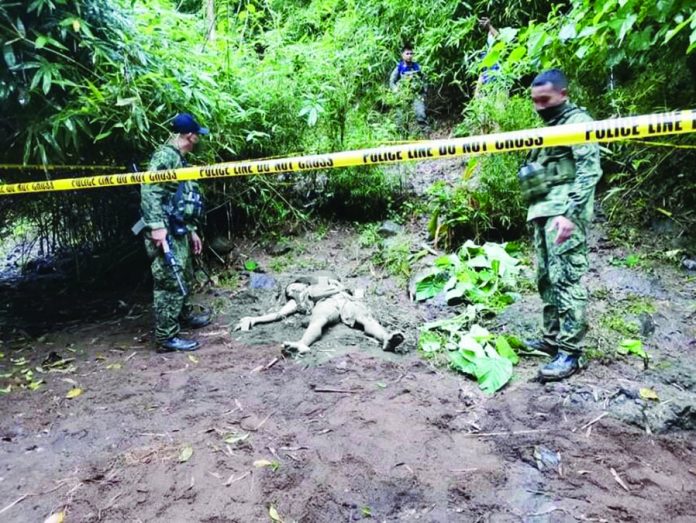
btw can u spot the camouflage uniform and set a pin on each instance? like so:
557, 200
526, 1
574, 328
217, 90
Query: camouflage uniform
169, 305
567, 189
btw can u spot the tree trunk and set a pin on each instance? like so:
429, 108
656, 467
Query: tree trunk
210, 16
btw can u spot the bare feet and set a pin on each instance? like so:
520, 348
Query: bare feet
290, 348
245, 324
392, 342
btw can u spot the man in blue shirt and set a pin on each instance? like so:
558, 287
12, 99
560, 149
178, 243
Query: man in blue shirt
408, 75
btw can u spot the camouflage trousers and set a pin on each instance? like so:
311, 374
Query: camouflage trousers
169, 305
559, 270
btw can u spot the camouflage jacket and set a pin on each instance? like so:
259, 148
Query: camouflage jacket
574, 197
155, 197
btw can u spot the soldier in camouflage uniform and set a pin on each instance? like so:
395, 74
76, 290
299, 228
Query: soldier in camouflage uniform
559, 184
170, 214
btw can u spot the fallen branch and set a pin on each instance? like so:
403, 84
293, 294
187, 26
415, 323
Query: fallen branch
545, 512
595, 420
232, 479
513, 433
619, 480
337, 391
271, 363
18, 500
25, 496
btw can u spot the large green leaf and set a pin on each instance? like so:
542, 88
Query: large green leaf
505, 350
460, 362
431, 285
492, 373
470, 346
629, 346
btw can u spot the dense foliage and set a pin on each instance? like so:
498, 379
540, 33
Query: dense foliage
94, 82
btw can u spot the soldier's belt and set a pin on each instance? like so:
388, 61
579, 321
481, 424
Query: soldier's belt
620, 129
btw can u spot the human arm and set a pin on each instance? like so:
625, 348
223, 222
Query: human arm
485, 23
330, 288
154, 196
394, 78
196, 243
588, 171
247, 322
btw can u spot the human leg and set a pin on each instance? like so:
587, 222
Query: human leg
550, 319
325, 313
567, 264
357, 313
167, 300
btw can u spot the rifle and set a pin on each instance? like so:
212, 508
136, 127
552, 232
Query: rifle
174, 265
169, 258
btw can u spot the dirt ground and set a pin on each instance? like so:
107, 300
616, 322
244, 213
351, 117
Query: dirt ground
237, 433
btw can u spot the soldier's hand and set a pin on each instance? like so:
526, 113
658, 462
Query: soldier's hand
564, 227
159, 236
484, 22
197, 243
245, 324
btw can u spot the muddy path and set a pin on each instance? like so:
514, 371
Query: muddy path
237, 433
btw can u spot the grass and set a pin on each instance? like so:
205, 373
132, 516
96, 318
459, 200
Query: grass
616, 322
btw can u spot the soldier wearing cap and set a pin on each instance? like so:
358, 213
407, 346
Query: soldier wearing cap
171, 213
559, 185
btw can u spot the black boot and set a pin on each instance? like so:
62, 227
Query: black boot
175, 344
542, 345
562, 366
196, 321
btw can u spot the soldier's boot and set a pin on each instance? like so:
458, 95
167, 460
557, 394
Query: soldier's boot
562, 366
542, 345
176, 344
196, 321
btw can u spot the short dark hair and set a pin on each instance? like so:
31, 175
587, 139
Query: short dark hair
554, 77
406, 47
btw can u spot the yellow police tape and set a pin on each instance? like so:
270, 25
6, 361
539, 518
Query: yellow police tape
47, 167
677, 122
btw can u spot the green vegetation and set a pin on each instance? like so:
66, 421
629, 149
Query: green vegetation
617, 322
482, 277
396, 257
94, 82
621, 330
476, 274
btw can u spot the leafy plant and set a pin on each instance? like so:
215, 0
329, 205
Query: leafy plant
481, 276
631, 346
476, 274
474, 351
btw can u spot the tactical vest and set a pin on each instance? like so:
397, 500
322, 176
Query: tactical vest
545, 168
184, 207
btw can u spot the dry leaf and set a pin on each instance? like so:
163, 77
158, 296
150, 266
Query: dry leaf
74, 392
192, 358
58, 517
185, 454
262, 463
234, 438
648, 394
273, 513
